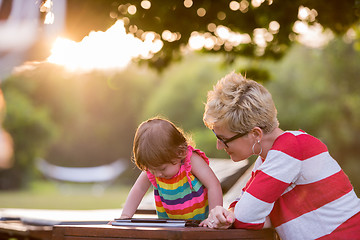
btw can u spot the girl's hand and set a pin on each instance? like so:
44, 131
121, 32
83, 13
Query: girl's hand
219, 218
121, 217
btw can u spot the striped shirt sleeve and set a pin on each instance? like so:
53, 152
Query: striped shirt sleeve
267, 183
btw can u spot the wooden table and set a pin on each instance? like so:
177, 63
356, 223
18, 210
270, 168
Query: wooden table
18, 230
108, 232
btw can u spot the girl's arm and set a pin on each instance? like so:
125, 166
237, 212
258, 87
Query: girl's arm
207, 177
135, 196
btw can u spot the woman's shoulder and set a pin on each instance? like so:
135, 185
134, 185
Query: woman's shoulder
298, 144
299, 137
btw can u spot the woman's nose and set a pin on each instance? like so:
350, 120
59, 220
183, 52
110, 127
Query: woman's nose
219, 145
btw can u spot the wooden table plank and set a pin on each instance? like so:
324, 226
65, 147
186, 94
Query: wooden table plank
107, 232
22, 231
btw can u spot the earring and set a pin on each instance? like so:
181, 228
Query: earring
253, 148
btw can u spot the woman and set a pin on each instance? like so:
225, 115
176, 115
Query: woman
295, 182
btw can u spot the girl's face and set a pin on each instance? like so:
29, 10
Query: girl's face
167, 170
238, 149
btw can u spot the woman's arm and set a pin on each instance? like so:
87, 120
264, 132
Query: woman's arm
219, 218
268, 182
207, 177
135, 196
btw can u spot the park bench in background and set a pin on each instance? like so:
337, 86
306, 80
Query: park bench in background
100, 176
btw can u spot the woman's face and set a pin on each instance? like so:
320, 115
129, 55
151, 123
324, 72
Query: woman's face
238, 149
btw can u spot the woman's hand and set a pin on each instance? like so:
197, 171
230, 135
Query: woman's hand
219, 218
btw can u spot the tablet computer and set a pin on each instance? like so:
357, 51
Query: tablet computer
155, 222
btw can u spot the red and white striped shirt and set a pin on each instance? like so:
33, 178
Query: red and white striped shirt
302, 189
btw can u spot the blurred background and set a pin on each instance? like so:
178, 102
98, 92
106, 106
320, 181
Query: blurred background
78, 76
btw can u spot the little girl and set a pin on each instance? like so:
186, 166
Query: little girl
185, 187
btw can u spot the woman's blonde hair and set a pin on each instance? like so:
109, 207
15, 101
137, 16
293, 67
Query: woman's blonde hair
240, 104
158, 141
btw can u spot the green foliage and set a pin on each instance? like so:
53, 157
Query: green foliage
318, 91
72, 119
100, 120
183, 20
84, 16
30, 126
185, 87
206, 142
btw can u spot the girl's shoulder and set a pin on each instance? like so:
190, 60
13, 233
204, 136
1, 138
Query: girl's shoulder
193, 153
198, 153
151, 178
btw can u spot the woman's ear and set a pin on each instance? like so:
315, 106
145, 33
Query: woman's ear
257, 133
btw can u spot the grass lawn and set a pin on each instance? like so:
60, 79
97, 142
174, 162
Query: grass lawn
48, 195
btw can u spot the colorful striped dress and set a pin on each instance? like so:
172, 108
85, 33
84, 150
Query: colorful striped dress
303, 190
183, 196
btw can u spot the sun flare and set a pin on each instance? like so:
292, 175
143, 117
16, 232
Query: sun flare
112, 49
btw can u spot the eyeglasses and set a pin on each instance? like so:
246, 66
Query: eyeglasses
226, 141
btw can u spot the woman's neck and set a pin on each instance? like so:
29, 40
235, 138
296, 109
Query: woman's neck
268, 140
